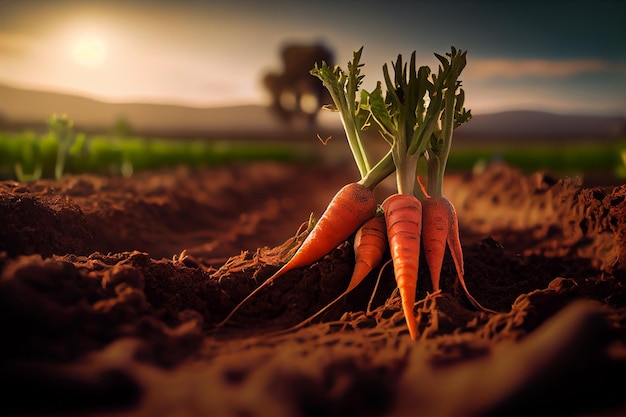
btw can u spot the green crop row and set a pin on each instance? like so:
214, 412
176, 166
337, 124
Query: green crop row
28, 156
572, 159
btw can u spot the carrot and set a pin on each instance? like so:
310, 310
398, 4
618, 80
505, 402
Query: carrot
370, 244
403, 215
351, 206
441, 227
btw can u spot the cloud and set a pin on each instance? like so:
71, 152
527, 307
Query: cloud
535, 68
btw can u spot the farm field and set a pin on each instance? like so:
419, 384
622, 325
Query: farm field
206, 210
124, 260
28, 155
103, 315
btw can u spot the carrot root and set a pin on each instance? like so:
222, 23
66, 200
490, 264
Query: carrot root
437, 227
441, 227
403, 215
351, 206
370, 244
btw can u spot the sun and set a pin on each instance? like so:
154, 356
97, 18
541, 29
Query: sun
89, 51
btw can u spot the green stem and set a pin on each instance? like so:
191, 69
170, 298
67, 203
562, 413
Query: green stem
406, 164
343, 88
447, 126
435, 175
381, 170
355, 143
405, 174
438, 160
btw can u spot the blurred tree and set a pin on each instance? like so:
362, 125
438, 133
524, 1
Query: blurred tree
295, 93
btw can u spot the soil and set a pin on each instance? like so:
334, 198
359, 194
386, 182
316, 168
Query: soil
111, 289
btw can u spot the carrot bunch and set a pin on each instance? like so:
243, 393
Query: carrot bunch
354, 204
416, 116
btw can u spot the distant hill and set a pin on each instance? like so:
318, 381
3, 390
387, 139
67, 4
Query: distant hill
28, 108
541, 125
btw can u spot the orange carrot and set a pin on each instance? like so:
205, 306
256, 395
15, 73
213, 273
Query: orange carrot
352, 206
438, 227
403, 215
370, 244
441, 226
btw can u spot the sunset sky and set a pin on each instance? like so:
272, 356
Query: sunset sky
559, 56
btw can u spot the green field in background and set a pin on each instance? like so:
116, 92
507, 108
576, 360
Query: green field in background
577, 158
37, 156
28, 156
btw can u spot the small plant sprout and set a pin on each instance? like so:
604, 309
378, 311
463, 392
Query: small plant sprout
62, 128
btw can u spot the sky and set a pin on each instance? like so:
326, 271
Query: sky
566, 57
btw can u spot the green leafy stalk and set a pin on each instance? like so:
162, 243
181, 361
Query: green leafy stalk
453, 115
343, 88
404, 119
379, 172
416, 115
406, 164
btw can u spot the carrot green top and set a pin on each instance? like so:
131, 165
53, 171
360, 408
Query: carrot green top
343, 88
416, 116
453, 115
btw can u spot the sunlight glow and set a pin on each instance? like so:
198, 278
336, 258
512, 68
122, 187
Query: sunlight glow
89, 51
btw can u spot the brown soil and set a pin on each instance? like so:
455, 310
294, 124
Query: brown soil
101, 315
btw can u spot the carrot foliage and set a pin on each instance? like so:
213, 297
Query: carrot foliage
344, 88
415, 111
417, 116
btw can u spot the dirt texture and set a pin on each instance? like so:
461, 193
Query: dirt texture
102, 315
